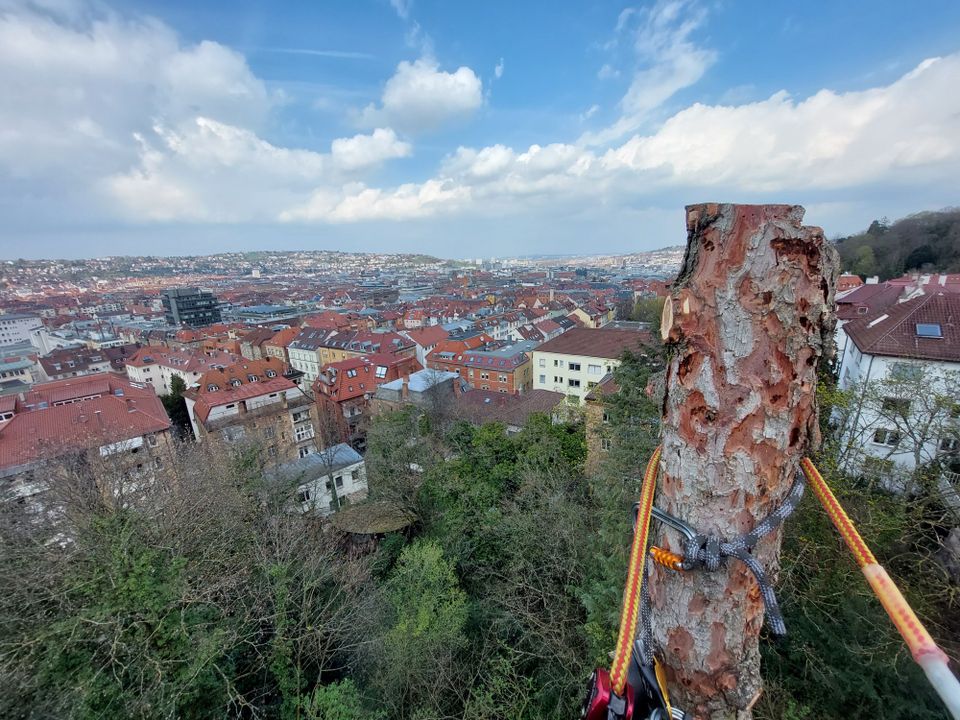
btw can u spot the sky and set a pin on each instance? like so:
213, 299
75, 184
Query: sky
484, 129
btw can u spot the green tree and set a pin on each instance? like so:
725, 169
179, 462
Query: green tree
176, 407
864, 262
416, 668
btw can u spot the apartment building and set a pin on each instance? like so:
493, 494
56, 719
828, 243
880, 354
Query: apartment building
16, 328
313, 348
103, 418
917, 340
76, 362
345, 388
252, 401
505, 370
576, 361
157, 366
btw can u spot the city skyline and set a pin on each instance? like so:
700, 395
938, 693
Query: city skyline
147, 128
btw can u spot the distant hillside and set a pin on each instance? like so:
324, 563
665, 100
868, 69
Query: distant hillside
928, 241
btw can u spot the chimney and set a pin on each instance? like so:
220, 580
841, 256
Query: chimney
405, 389
457, 389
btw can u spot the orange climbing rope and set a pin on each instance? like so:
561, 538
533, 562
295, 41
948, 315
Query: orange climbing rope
635, 570
922, 646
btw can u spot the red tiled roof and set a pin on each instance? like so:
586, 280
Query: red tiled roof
36, 432
590, 342
894, 331
427, 336
867, 299
184, 360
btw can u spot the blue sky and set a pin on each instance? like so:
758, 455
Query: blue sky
462, 130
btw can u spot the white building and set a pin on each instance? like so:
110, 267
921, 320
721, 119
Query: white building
338, 468
157, 366
16, 329
907, 344
574, 362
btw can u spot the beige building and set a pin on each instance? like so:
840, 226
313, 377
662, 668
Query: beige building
575, 362
253, 402
157, 366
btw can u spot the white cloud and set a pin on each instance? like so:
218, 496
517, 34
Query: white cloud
78, 85
606, 72
667, 61
421, 97
589, 112
402, 8
364, 151
498, 70
908, 129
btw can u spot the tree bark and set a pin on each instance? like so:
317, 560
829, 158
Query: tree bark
750, 316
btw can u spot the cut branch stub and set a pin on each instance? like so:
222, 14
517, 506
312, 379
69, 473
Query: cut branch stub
751, 314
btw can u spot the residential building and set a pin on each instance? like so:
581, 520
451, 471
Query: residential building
276, 347
484, 406
425, 339
316, 477
505, 370
346, 387
157, 366
103, 416
251, 344
16, 328
422, 389
190, 306
576, 361
597, 423
19, 368
313, 348
77, 362
253, 401
916, 339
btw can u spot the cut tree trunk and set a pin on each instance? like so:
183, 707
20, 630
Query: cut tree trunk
750, 316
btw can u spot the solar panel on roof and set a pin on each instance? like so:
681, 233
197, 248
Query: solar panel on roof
929, 330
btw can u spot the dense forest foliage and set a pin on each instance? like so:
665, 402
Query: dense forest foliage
927, 241
208, 598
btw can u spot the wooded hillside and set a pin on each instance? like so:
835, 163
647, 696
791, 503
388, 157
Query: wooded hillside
926, 241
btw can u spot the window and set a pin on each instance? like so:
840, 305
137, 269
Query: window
339, 481
303, 452
252, 378
502, 378
900, 406
212, 388
558, 363
152, 440
949, 444
543, 379
484, 376
862, 310
158, 463
573, 366
236, 382
929, 330
271, 373
301, 415
303, 496
351, 373
543, 362
594, 370
606, 416
269, 432
272, 451
381, 371
558, 380
605, 444
886, 437
303, 432
905, 371
573, 383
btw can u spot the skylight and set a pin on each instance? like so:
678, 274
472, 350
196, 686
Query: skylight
929, 330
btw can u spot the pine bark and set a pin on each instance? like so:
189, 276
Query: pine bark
750, 316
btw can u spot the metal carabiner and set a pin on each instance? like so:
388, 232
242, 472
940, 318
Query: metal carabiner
667, 519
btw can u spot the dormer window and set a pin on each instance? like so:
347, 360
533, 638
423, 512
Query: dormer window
252, 378
236, 382
212, 388
271, 373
